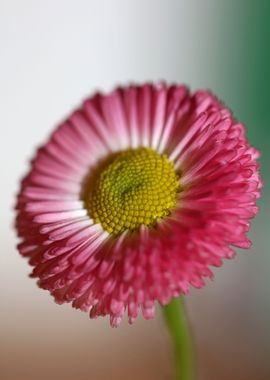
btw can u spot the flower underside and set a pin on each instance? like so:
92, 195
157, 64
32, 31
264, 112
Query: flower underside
136, 187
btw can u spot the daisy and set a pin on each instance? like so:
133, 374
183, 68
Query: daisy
134, 197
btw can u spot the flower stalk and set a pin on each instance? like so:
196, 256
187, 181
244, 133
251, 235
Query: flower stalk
179, 329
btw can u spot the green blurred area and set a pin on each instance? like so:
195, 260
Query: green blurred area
243, 70
243, 82
241, 78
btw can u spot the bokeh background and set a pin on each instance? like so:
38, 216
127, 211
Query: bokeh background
53, 53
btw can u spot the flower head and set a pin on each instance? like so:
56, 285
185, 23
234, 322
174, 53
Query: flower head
134, 197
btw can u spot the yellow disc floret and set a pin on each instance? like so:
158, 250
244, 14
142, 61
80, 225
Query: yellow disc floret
138, 187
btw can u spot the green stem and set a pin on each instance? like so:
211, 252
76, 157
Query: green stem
175, 317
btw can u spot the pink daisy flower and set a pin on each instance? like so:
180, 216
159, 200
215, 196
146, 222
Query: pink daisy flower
134, 197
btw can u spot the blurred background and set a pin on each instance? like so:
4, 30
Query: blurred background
53, 54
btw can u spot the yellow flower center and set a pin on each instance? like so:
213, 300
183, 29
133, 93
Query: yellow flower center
137, 188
